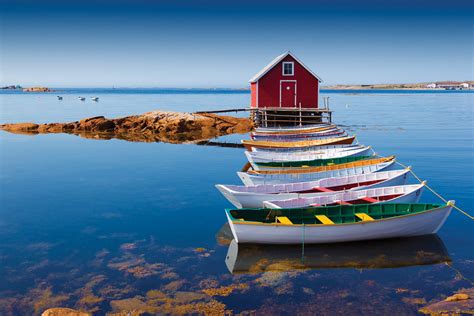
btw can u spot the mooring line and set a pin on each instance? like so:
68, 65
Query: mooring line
428, 187
458, 272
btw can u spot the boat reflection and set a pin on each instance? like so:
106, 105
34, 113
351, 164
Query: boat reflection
389, 253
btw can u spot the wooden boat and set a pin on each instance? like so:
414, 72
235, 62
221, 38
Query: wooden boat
296, 165
299, 132
342, 223
294, 137
258, 159
372, 254
295, 129
393, 194
304, 150
249, 144
339, 163
255, 178
254, 196
300, 138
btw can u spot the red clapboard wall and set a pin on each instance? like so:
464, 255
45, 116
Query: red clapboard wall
285, 82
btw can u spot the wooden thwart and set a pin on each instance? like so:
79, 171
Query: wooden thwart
369, 199
364, 217
283, 220
324, 219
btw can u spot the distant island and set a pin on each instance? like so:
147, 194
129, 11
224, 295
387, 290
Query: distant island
12, 87
31, 89
440, 85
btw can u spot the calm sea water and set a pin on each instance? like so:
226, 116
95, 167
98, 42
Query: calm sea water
111, 225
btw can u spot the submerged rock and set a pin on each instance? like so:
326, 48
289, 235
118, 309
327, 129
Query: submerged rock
460, 303
457, 297
156, 126
60, 311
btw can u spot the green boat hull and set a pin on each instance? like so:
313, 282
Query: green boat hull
339, 214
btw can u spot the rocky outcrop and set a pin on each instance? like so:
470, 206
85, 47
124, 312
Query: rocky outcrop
156, 126
37, 89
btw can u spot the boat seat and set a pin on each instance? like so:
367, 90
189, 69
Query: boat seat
283, 220
364, 217
323, 189
369, 199
324, 219
342, 203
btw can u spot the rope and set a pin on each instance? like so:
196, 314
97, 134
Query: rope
428, 187
458, 272
302, 245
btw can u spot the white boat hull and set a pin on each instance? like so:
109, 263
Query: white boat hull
408, 194
255, 199
256, 179
290, 128
265, 157
425, 223
255, 159
293, 138
304, 149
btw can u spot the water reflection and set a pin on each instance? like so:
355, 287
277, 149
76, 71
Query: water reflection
390, 253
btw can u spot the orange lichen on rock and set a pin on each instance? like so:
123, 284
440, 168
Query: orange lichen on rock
133, 306
156, 126
42, 298
174, 285
414, 300
225, 290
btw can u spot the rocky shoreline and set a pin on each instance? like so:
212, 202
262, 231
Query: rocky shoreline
156, 126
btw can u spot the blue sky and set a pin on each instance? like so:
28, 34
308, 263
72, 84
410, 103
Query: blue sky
98, 43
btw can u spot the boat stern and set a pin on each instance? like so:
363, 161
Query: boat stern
231, 224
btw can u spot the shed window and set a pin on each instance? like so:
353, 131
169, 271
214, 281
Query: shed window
288, 69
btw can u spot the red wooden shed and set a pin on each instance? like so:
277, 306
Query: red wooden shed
285, 83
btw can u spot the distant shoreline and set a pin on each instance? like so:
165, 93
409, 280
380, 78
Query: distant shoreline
335, 88
339, 88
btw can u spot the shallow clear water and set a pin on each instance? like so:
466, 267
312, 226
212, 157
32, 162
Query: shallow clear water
91, 224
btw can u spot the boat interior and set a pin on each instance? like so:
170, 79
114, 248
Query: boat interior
328, 215
347, 186
314, 163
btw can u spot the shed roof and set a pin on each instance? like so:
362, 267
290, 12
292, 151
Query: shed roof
274, 62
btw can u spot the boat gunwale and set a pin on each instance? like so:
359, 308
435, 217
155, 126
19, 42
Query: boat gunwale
303, 170
300, 144
407, 190
329, 161
266, 155
230, 187
296, 131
